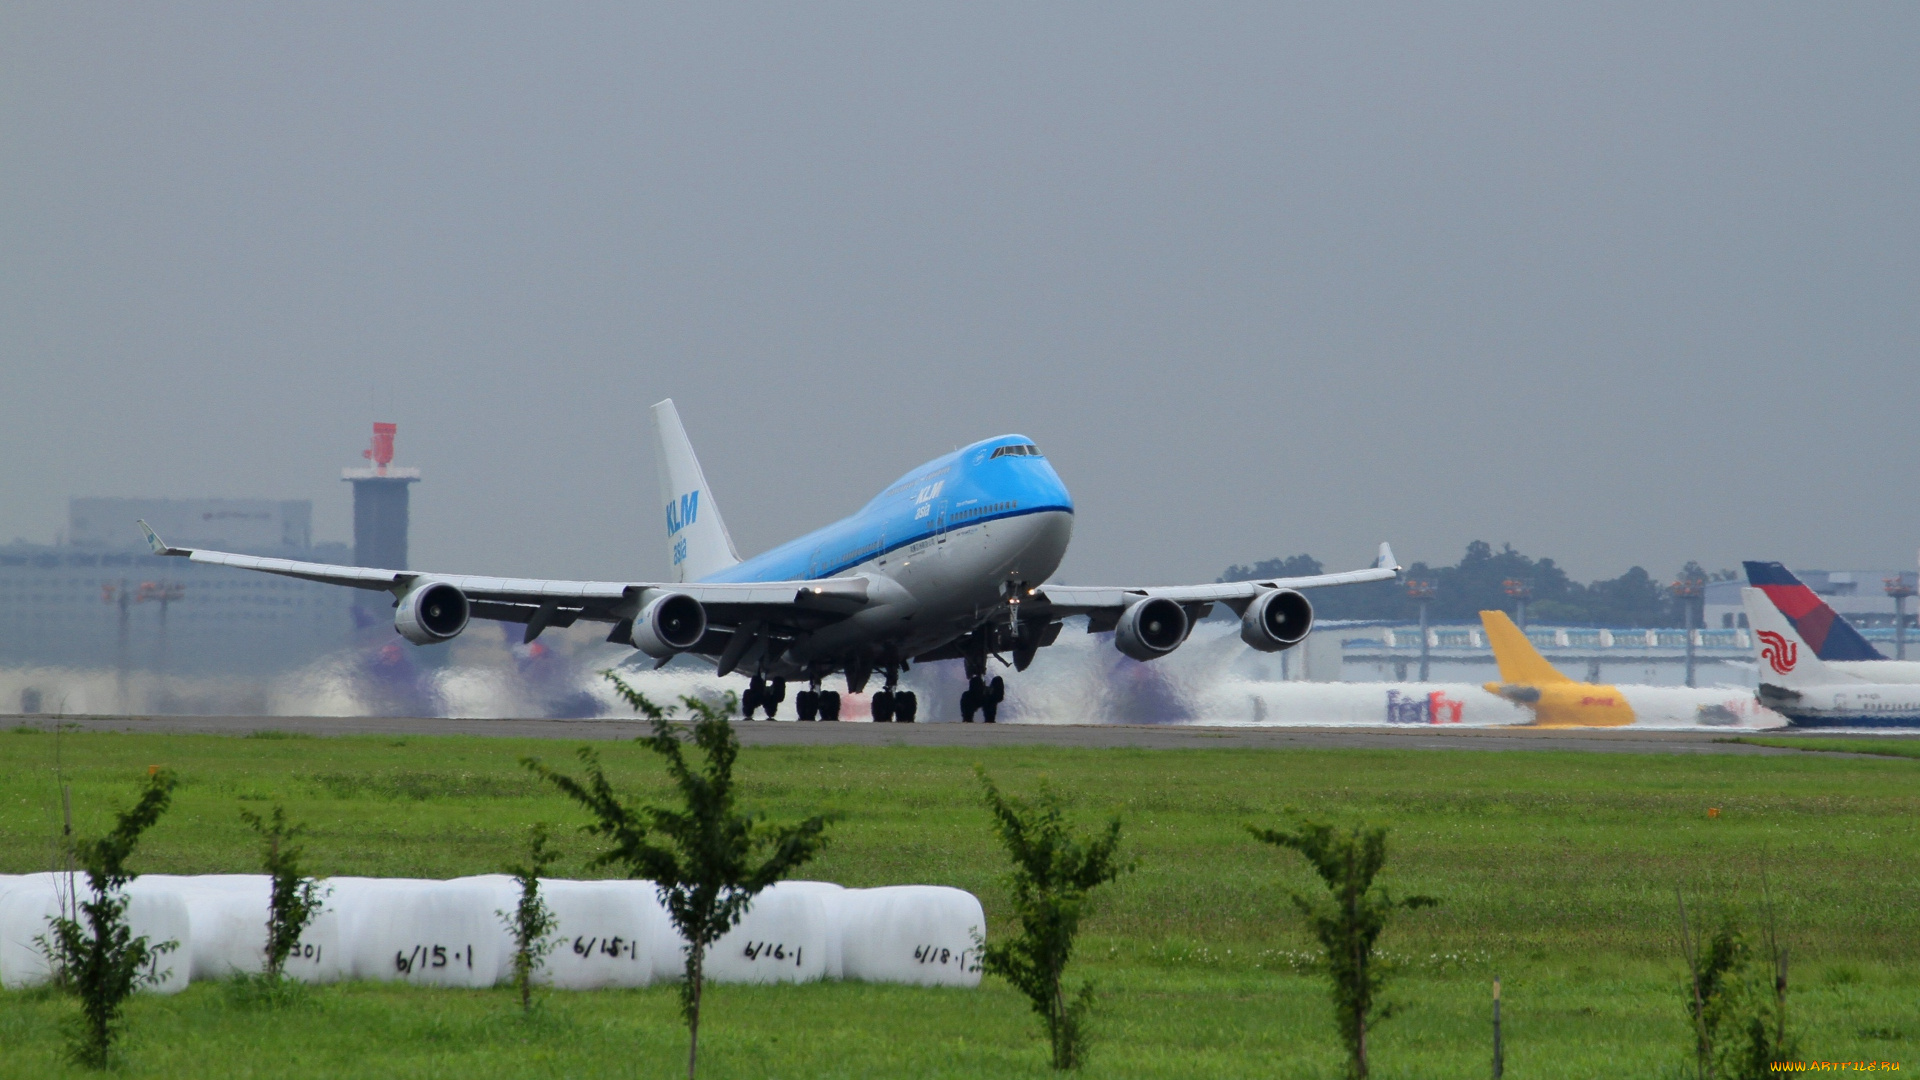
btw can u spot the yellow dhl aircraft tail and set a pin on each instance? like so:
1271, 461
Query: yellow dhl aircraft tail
1519, 661
1557, 701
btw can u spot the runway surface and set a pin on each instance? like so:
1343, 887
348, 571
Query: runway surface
1137, 736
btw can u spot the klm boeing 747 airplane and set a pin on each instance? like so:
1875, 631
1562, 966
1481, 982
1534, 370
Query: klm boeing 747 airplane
948, 563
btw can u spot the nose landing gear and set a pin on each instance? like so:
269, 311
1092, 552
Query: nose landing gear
981, 696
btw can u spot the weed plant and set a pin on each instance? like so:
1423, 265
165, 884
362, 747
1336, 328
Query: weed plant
531, 923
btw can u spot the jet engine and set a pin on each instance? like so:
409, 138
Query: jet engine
432, 613
1276, 620
670, 625
1151, 628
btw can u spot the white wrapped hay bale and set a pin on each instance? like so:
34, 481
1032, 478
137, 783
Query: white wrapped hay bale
28, 907
782, 938
229, 912
430, 933
922, 935
831, 897
27, 901
227, 915
608, 932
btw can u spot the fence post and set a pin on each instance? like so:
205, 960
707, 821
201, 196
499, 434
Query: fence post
1499, 1058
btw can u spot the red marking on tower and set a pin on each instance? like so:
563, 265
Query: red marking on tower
380, 452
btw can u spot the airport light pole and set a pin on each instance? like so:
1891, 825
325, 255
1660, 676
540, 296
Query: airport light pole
1898, 588
162, 593
1520, 592
1422, 591
149, 592
1690, 590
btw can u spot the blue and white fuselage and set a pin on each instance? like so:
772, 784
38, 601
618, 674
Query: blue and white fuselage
949, 562
952, 537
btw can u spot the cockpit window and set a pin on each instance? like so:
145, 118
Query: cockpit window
1027, 450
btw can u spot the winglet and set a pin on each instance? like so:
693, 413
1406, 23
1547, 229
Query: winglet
1386, 560
1519, 661
159, 546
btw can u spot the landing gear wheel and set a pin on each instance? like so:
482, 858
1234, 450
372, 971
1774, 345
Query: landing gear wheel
829, 705
990, 702
806, 703
883, 707
749, 702
973, 700
773, 697
905, 705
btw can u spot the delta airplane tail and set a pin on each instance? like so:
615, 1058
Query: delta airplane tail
697, 541
1829, 636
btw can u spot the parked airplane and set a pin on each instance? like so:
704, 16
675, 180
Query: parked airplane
1526, 678
946, 563
1831, 637
1812, 692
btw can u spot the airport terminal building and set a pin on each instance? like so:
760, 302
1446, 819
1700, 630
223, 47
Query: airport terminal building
102, 599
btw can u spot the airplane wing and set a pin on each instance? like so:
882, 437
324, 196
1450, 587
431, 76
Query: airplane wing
1103, 605
541, 602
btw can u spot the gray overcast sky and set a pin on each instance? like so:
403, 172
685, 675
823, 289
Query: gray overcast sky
1617, 284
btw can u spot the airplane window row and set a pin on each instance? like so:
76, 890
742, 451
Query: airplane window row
1027, 450
991, 508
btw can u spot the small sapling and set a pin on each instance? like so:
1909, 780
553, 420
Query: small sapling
296, 899
102, 961
1054, 870
709, 859
1347, 922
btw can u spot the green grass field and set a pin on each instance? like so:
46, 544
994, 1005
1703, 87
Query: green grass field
1556, 870
1907, 747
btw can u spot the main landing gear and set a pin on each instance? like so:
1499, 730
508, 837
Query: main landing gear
760, 695
894, 706
816, 703
983, 697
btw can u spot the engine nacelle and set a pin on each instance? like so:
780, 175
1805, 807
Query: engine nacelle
432, 613
1151, 628
669, 626
1276, 620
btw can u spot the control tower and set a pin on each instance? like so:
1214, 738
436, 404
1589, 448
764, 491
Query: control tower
380, 504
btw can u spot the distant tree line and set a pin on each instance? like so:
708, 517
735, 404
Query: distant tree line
1478, 583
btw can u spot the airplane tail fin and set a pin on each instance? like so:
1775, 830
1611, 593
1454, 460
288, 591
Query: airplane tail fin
697, 540
1519, 661
1830, 636
1785, 658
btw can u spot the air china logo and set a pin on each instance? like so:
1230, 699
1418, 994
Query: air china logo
1779, 653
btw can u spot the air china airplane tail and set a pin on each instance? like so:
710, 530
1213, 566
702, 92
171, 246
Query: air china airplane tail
1831, 637
1785, 658
1795, 682
1824, 634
